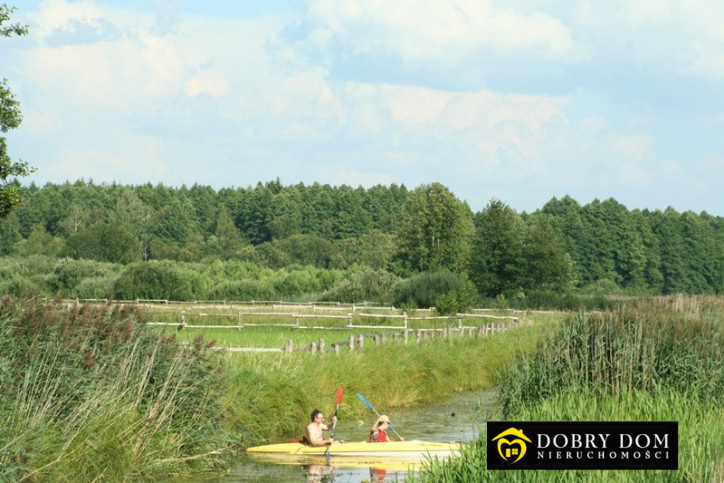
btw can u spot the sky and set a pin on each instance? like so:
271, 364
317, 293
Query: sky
515, 100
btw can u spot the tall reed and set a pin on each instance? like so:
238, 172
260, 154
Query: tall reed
90, 392
654, 359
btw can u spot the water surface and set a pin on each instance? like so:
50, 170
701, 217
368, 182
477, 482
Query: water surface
458, 419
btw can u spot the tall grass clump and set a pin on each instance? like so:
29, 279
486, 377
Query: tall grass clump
648, 360
638, 346
89, 392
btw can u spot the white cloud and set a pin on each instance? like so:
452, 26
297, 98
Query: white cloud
207, 82
442, 33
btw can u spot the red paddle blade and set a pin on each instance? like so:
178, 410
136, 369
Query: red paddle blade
339, 395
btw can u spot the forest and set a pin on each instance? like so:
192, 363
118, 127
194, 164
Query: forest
390, 244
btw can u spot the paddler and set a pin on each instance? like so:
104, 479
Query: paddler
378, 433
314, 435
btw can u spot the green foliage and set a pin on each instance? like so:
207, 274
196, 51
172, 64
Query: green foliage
155, 280
435, 229
639, 346
496, 262
457, 301
10, 118
242, 290
562, 248
18, 285
40, 242
501, 302
68, 274
89, 393
363, 284
104, 243
422, 290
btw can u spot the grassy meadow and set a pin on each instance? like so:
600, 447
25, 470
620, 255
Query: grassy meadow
656, 359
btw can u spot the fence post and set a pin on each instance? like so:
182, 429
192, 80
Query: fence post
361, 341
383, 339
404, 319
336, 349
351, 343
313, 348
460, 322
240, 325
296, 321
321, 346
183, 318
349, 321
404, 336
376, 338
418, 335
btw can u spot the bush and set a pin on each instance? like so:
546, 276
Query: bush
18, 285
95, 287
457, 301
240, 290
423, 289
358, 286
68, 273
155, 280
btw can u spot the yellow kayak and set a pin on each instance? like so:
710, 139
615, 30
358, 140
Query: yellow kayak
389, 449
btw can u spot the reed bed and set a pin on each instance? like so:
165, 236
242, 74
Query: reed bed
654, 359
90, 393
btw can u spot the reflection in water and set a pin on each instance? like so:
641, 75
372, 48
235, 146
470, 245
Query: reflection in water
314, 472
458, 419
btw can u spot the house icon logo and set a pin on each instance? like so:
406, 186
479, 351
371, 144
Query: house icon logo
510, 448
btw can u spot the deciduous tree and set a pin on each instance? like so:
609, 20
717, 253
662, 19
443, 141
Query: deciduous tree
10, 118
435, 229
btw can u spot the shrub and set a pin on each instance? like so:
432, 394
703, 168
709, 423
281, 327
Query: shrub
95, 287
18, 285
365, 284
68, 273
242, 290
457, 301
423, 289
154, 280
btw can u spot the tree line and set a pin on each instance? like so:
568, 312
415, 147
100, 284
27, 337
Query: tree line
563, 247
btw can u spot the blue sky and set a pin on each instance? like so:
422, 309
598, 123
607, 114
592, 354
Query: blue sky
521, 101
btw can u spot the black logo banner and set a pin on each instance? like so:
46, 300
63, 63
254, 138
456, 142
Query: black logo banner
584, 445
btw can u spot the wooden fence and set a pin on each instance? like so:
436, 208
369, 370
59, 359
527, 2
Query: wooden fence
354, 316
354, 342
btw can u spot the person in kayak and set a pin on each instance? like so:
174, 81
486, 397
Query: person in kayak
378, 433
314, 435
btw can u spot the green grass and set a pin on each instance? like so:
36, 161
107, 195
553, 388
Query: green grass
272, 337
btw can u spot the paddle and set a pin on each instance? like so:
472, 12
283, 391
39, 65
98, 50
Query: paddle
367, 403
336, 410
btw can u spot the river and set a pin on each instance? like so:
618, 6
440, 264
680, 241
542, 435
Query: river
457, 419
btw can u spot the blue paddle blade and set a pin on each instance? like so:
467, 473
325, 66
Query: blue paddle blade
365, 401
